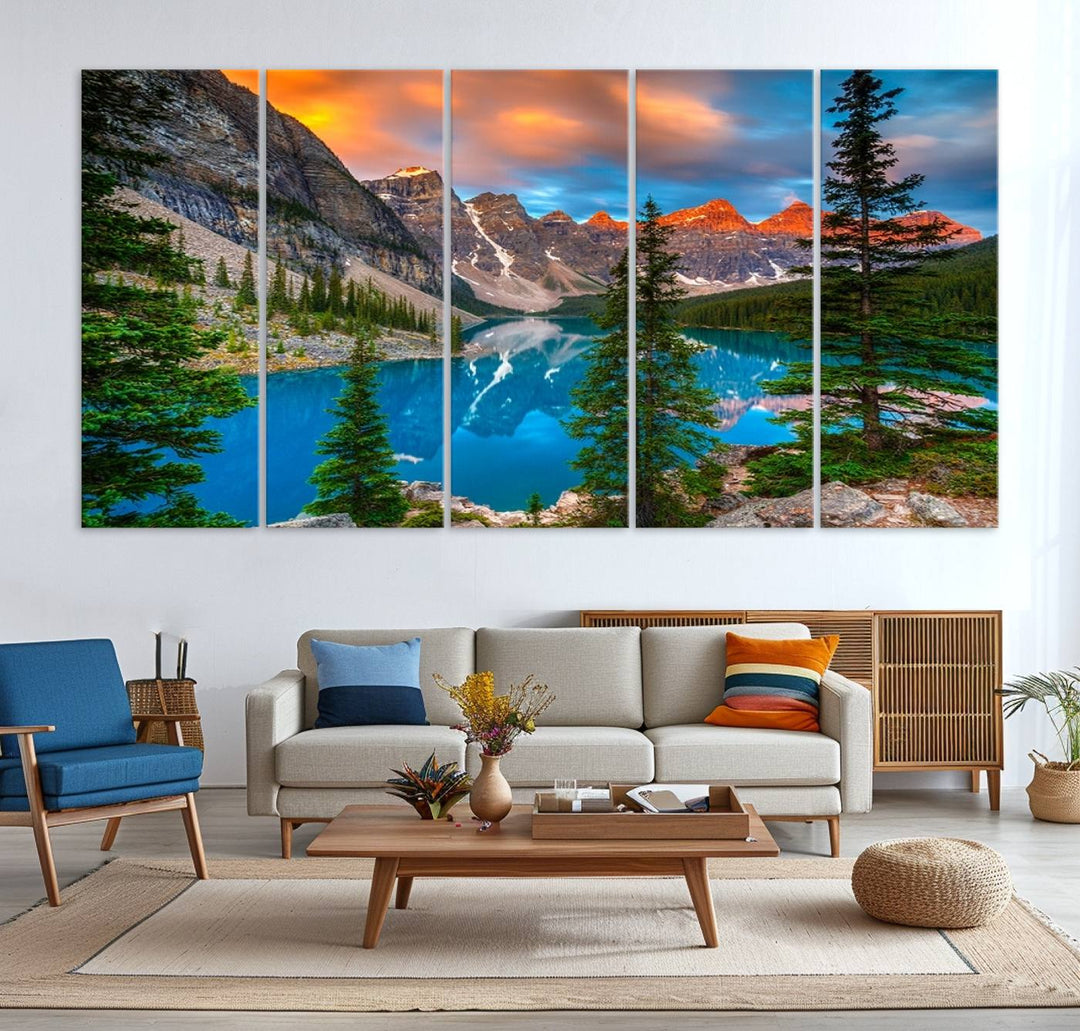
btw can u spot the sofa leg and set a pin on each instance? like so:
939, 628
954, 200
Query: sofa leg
194, 836
286, 839
834, 836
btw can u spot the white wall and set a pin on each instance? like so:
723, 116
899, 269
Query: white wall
243, 596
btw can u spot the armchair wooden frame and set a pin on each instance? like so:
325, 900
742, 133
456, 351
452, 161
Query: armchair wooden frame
41, 819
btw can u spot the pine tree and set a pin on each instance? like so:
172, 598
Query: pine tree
142, 395
303, 303
888, 360
457, 340
358, 475
221, 274
534, 505
335, 299
278, 300
602, 398
674, 462
245, 290
318, 290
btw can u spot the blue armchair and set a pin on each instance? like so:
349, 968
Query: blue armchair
68, 752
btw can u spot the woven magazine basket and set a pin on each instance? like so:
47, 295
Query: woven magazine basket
166, 698
1054, 791
932, 882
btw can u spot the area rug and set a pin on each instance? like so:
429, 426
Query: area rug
269, 935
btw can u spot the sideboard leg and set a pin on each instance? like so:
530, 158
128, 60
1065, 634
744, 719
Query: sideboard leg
975, 781
993, 787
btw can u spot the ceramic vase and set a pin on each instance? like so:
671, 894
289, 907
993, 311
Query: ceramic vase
490, 798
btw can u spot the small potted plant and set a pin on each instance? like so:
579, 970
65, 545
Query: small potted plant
493, 722
432, 790
1054, 792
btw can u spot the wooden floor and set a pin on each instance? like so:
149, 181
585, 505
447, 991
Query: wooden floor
1043, 858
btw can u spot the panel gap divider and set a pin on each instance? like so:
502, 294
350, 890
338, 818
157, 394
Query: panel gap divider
261, 254
447, 269
631, 318
816, 293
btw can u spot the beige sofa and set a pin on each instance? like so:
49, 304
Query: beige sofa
629, 707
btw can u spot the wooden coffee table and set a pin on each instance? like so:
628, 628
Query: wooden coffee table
405, 847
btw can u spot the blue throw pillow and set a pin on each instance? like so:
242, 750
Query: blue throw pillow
360, 685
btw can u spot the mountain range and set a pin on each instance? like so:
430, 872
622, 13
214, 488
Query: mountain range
319, 214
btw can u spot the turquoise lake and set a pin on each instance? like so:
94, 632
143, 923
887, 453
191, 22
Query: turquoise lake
508, 403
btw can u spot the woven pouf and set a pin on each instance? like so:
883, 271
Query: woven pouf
932, 882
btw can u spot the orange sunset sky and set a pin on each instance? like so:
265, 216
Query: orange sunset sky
374, 121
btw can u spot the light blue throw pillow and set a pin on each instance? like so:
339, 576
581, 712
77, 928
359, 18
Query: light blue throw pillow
361, 685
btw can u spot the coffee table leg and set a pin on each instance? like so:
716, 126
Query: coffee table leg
697, 880
404, 887
382, 885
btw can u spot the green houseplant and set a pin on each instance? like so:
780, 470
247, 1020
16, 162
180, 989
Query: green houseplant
432, 790
1054, 792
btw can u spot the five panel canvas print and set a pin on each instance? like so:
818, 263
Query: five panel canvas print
545, 360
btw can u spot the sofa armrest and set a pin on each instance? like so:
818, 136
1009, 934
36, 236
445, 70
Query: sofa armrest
274, 711
846, 716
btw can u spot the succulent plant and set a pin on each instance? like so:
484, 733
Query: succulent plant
432, 790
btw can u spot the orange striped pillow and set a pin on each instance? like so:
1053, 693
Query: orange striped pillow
773, 684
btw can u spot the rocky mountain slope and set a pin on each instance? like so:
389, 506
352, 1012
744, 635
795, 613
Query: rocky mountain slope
318, 214
207, 140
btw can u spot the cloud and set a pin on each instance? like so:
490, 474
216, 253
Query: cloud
945, 129
745, 136
556, 138
374, 121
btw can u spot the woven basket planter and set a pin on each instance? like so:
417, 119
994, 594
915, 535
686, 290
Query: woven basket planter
1054, 791
932, 882
167, 698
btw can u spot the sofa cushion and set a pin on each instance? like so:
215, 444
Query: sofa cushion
74, 685
773, 683
744, 755
81, 771
364, 684
682, 668
586, 754
362, 757
595, 674
448, 651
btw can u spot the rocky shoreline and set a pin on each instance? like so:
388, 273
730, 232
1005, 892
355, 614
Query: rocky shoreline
887, 503
326, 350
423, 495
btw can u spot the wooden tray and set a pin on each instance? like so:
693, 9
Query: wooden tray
726, 819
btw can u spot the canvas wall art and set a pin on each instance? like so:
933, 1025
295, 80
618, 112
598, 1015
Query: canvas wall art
558, 324
169, 300
540, 364
724, 303
354, 298
909, 298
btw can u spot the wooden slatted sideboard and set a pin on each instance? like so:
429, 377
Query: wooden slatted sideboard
934, 676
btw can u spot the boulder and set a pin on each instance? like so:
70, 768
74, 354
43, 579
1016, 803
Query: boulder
842, 505
934, 511
337, 520
798, 510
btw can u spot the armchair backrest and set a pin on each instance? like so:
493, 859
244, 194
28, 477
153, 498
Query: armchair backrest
74, 685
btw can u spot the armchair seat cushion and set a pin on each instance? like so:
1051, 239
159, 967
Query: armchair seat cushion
110, 768
744, 755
